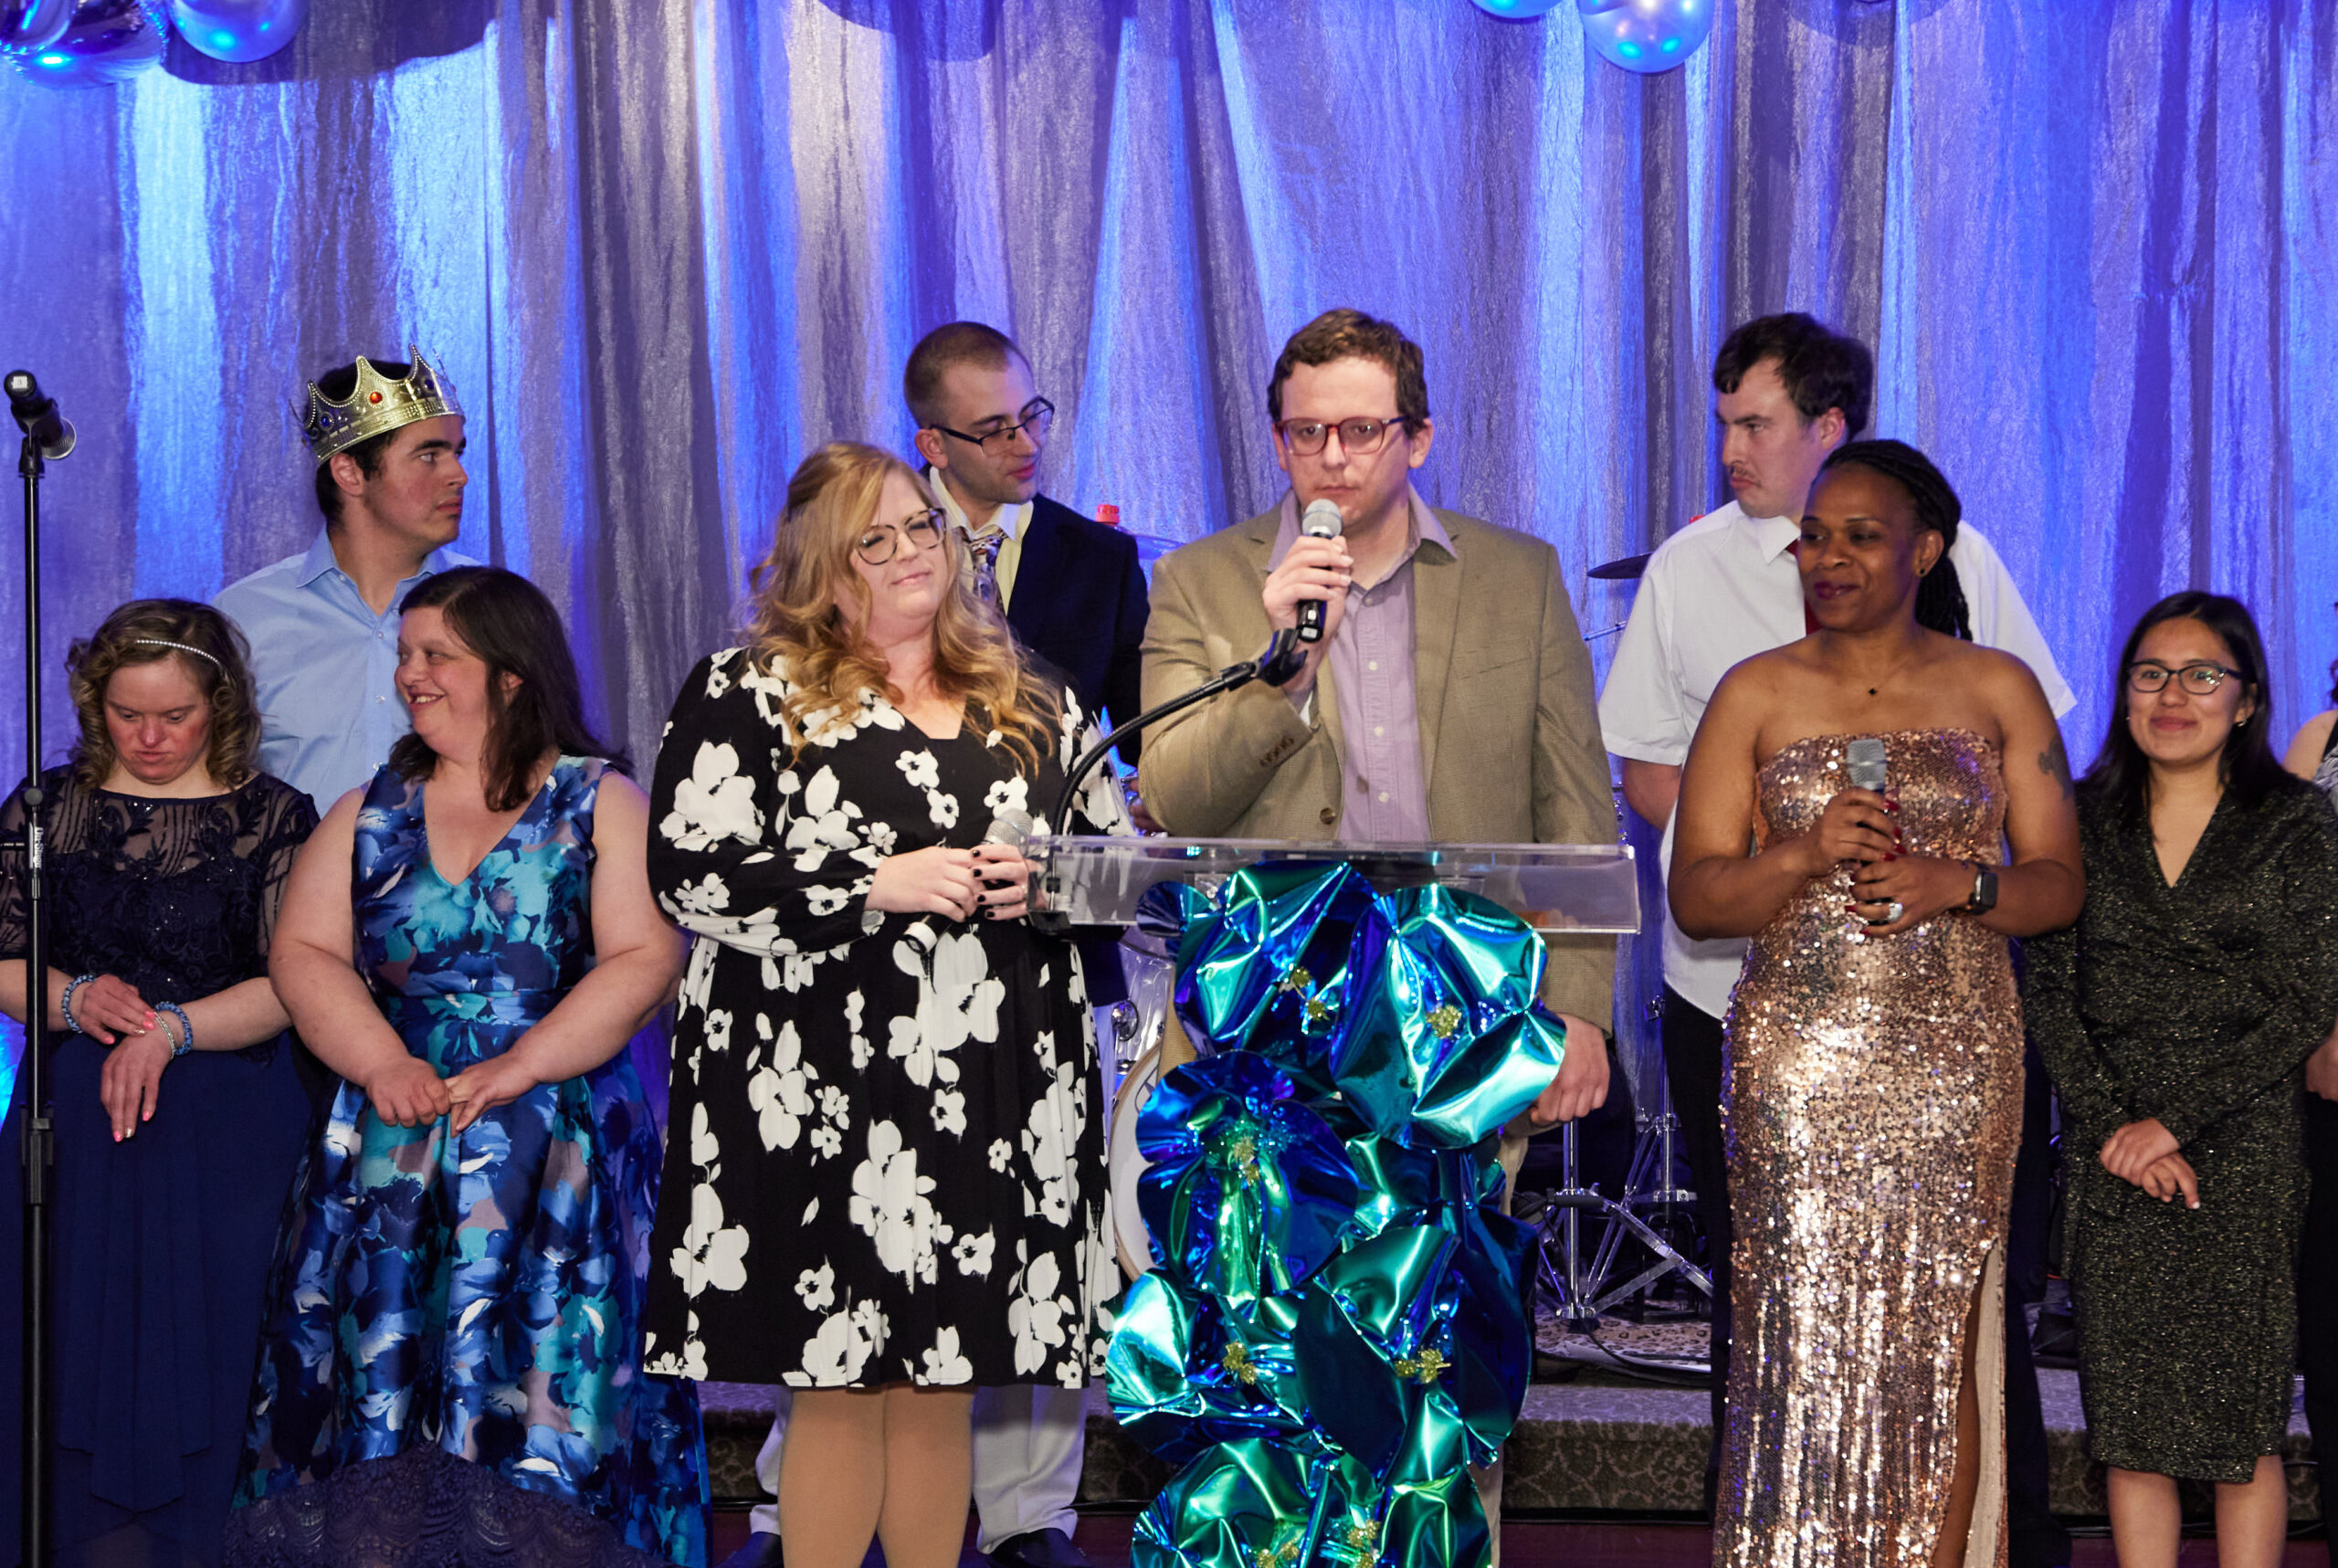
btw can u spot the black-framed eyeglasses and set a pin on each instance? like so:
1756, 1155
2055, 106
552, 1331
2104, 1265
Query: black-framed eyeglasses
1036, 416
2201, 678
1361, 438
883, 540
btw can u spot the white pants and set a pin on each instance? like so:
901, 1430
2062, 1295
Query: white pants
1027, 1449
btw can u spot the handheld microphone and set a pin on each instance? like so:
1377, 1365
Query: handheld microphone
1321, 520
37, 416
1863, 762
1009, 826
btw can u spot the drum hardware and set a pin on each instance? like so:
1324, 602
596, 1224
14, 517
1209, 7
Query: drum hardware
1582, 1288
1628, 567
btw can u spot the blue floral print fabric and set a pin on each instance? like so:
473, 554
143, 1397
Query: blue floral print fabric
480, 1294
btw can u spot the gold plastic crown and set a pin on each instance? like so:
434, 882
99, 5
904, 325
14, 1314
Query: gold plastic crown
376, 405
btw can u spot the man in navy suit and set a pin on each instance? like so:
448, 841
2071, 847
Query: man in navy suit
1071, 588
1075, 594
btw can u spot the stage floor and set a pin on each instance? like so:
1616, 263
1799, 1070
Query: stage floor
1599, 1443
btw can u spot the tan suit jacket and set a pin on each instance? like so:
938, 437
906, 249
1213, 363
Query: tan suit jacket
1509, 727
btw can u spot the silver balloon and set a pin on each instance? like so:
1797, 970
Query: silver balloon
33, 24
1647, 36
105, 41
238, 30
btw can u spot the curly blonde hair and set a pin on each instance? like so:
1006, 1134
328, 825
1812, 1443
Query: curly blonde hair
139, 633
798, 589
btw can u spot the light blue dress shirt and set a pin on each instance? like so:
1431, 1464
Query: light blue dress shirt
326, 666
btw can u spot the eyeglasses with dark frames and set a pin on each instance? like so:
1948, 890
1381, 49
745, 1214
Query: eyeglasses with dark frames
2200, 678
1360, 438
1036, 416
883, 540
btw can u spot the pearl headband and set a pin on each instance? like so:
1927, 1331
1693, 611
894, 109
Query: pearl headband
183, 648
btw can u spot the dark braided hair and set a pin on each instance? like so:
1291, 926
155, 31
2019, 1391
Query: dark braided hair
1939, 598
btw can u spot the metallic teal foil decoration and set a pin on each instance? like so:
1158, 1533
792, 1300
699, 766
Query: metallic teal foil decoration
1409, 1362
1184, 1373
1444, 1042
1256, 1505
1245, 1191
1336, 1331
1263, 967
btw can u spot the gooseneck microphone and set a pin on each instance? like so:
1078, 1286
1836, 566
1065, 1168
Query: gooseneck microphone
37, 416
1320, 521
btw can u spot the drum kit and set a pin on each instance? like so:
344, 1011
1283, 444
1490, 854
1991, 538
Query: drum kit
1594, 1255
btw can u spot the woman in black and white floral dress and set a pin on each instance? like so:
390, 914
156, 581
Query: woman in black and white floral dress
884, 1173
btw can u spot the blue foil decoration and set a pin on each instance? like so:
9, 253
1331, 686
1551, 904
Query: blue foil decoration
1245, 1190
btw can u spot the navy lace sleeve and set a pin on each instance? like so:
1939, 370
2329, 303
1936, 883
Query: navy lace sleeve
176, 897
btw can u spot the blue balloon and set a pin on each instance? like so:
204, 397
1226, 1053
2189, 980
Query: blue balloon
1515, 10
33, 24
1647, 36
104, 42
238, 30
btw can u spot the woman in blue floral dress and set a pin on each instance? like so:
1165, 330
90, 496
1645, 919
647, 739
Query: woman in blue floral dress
451, 1372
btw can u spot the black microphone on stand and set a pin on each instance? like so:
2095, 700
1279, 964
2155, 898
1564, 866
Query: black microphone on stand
1320, 521
37, 416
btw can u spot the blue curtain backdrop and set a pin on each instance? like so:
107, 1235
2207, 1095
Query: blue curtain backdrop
666, 246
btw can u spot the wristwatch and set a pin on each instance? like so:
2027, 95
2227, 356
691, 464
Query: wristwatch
1985, 890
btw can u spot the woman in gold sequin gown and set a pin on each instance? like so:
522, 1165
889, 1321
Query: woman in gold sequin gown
1874, 1074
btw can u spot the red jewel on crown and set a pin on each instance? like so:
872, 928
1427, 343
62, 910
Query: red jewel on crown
374, 397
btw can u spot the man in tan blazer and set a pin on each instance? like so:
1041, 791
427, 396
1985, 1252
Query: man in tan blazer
1450, 697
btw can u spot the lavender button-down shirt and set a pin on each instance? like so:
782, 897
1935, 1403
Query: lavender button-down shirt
1384, 793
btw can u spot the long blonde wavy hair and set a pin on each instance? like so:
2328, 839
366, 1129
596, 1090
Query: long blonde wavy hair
798, 589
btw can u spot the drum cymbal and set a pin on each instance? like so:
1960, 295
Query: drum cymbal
1613, 570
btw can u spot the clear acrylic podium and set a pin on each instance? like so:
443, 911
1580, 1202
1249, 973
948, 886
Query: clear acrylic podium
1094, 881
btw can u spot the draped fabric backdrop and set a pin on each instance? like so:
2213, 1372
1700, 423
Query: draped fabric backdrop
666, 246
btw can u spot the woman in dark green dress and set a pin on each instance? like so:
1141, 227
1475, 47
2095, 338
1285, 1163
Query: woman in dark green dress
2176, 1017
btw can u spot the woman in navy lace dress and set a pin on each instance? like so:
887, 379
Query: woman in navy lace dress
451, 1372
179, 1114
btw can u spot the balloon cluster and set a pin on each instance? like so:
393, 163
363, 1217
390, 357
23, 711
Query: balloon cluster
91, 43
1643, 36
1333, 1329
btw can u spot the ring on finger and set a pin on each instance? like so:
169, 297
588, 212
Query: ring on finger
1892, 911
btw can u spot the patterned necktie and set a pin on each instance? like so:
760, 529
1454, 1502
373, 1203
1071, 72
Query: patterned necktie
984, 550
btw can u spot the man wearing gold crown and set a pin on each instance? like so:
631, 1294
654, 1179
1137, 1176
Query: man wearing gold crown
388, 443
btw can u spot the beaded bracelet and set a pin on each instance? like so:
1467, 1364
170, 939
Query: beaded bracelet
65, 1004
187, 1030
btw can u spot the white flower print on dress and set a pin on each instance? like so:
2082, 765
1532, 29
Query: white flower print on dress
822, 822
950, 1112
1002, 1154
943, 807
1008, 794
715, 803
1048, 1139
892, 1205
1035, 1317
972, 1253
708, 896
920, 769
781, 1090
817, 1286
711, 1253
944, 1364
863, 1053
833, 1356
958, 1001
718, 1030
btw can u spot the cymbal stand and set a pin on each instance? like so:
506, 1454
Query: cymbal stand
1582, 1288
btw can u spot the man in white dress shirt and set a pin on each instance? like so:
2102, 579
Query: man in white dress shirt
1720, 591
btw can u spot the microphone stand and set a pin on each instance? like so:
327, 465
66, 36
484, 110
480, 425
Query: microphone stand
1283, 658
39, 1129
